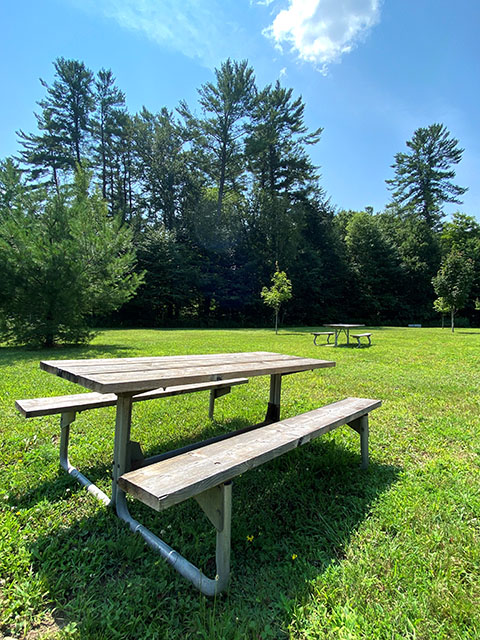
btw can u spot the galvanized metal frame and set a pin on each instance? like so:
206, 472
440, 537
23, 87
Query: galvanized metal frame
216, 502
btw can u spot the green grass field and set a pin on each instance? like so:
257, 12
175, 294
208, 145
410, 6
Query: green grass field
320, 549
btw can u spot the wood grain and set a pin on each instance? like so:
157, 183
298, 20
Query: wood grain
126, 375
34, 407
171, 481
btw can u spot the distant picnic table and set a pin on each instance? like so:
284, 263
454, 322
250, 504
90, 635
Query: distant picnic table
338, 328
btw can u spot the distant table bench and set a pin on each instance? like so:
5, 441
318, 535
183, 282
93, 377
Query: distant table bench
345, 328
358, 336
322, 333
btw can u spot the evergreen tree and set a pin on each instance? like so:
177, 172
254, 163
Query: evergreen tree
217, 136
62, 260
423, 175
108, 129
64, 122
160, 168
283, 176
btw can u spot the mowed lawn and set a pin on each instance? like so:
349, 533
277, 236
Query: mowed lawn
320, 548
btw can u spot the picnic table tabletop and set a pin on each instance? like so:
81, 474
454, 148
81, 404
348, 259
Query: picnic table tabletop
133, 375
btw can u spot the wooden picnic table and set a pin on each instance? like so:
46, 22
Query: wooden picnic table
338, 328
127, 377
203, 470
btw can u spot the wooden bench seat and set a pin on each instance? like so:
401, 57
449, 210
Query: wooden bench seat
205, 473
315, 334
31, 408
69, 406
362, 335
171, 481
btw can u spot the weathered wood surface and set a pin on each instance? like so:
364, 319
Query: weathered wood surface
34, 407
323, 333
130, 375
171, 481
361, 335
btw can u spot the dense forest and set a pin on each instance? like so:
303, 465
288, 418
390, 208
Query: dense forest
196, 208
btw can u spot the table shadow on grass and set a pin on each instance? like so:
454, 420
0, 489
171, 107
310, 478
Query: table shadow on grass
292, 518
63, 484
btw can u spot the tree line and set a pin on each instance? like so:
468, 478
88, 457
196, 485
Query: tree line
179, 218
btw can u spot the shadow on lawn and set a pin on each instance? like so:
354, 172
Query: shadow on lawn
56, 489
11, 355
305, 504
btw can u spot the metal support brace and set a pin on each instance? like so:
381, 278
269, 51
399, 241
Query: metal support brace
273, 411
121, 452
65, 421
217, 505
360, 425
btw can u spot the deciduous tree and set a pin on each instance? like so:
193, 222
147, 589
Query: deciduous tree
453, 282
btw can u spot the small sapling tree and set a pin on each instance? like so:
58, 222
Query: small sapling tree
442, 307
279, 292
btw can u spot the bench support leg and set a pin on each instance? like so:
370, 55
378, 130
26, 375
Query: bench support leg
361, 426
214, 394
121, 452
65, 421
218, 507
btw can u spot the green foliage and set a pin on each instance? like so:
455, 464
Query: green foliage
423, 176
279, 292
62, 260
226, 192
375, 263
453, 281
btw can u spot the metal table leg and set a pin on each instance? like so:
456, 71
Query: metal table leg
273, 411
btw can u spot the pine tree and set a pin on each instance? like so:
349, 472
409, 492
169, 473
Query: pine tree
64, 123
423, 176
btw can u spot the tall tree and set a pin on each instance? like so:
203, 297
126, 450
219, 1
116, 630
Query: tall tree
218, 134
283, 175
64, 121
108, 129
423, 176
161, 167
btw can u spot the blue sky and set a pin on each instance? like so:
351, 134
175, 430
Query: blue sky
370, 72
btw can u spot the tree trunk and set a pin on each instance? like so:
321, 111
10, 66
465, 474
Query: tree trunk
276, 321
452, 315
443, 321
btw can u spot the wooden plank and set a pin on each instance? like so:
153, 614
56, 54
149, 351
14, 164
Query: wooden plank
142, 380
163, 362
171, 481
35, 407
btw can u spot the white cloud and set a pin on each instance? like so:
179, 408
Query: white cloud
322, 31
192, 27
